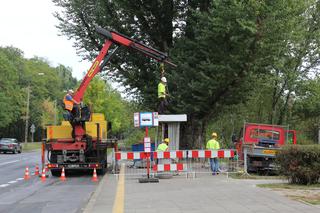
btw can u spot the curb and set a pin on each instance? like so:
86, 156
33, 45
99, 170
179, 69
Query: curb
93, 198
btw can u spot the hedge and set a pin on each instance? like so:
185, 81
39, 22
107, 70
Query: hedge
300, 163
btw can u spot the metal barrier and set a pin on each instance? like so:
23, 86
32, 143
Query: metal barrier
190, 163
199, 161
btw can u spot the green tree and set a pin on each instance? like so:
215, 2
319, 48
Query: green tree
100, 97
48, 113
10, 97
46, 84
221, 48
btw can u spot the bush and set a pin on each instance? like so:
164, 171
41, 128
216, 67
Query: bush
300, 163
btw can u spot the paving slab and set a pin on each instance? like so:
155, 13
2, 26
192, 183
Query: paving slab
204, 194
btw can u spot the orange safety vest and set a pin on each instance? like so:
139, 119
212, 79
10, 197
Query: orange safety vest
68, 105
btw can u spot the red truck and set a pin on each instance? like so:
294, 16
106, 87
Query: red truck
259, 143
80, 142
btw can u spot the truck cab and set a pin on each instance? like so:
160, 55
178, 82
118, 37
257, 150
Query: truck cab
259, 144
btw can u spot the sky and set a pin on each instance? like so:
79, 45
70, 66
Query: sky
30, 26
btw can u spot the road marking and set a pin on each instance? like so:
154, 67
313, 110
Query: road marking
118, 205
14, 181
5, 163
4, 185
19, 179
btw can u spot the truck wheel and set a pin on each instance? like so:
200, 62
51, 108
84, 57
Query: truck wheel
56, 173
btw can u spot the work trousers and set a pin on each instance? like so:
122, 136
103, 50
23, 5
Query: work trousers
214, 165
163, 103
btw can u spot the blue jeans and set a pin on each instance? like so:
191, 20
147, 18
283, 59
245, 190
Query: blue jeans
214, 164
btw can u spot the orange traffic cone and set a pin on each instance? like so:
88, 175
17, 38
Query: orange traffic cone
43, 175
94, 177
37, 170
26, 174
63, 176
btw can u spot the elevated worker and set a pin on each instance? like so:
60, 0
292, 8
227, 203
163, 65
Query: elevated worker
213, 144
71, 105
162, 95
164, 145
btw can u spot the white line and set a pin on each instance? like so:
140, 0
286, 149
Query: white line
5, 163
14, 181
19, 179
4, 185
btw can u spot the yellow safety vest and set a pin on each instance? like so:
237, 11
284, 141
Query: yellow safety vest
213, 144
161, 90
68, 105
162, 147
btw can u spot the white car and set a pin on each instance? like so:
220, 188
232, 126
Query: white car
10, 145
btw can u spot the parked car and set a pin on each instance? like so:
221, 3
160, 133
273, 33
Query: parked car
10, 145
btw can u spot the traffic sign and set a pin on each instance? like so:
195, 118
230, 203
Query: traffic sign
32, 128
147, 144
146, 119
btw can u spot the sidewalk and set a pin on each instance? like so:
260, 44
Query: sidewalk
103, 198
203, 194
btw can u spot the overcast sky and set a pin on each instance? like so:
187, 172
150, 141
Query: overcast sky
30, 26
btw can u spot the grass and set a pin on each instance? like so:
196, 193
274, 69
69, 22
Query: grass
305, 193
242, 175
290, 186
28, 147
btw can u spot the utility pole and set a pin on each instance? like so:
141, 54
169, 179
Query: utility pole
27, 115
27, 111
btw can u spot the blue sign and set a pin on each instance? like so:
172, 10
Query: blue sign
146, 119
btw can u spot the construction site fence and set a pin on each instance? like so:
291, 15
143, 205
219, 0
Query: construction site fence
182, 163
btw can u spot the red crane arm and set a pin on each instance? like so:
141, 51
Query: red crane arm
113, 37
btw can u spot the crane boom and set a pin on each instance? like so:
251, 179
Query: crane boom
113, 37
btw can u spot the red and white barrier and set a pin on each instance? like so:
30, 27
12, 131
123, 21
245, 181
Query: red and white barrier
131, 155
180, 154
169, 167
170, 154
223, 153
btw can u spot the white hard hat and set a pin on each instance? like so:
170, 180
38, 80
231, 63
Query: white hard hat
70, 91
163, 79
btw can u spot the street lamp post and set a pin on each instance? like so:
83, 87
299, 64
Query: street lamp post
27, 112
27, 115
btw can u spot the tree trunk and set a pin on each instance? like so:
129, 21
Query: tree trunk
284, 109
193, 134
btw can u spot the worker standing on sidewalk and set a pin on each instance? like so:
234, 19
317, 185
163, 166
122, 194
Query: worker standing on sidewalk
213, 144
162, 95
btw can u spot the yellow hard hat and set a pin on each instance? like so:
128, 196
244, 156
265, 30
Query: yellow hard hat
167, 140
214, 134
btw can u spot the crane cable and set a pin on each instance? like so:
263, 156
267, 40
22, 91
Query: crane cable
162, 69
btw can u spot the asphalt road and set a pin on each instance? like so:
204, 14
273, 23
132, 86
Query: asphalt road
33, 195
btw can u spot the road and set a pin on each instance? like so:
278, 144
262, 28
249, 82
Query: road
19, 195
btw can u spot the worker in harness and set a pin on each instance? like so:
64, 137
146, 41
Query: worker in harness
162, 95
71, 105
